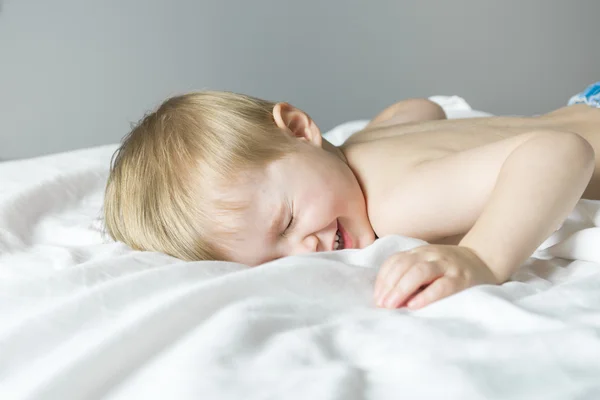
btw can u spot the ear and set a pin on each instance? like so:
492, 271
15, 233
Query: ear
297, 123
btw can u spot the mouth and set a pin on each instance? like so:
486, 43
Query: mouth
341, 240
338, 241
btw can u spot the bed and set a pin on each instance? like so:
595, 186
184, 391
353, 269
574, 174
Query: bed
82, 317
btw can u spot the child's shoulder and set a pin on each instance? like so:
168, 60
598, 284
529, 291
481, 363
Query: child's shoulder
392, 150
403, 169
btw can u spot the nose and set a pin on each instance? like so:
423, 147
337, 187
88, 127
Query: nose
321, 240
310, 244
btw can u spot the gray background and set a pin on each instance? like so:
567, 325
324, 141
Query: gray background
76, 73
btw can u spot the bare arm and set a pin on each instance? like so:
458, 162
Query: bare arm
406, 111
536, 189
508, 196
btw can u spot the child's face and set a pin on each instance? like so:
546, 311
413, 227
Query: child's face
322, 194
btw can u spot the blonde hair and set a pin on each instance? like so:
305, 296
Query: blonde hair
160, 191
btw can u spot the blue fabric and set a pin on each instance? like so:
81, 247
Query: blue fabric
590, 96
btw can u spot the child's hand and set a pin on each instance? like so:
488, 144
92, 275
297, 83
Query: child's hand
439, 270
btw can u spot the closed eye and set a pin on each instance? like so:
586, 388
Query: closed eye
290, 224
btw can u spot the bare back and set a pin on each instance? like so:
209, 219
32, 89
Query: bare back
394, 148
381, 156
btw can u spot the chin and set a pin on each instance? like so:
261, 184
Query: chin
368, 241
365, 240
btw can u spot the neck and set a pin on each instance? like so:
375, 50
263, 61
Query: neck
334, 150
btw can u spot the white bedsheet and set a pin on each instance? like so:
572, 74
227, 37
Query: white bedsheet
84, 318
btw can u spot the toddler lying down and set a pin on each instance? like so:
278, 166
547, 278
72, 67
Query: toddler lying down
224, 176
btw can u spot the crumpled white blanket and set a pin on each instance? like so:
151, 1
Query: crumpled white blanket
84, 318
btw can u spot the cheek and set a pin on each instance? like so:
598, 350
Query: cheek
253, 251
326, 202
327, 194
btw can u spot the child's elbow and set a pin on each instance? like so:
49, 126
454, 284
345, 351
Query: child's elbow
588, 156
428, 110
436, 110
581, 149
576, 149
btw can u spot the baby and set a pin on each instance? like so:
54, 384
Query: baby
224, 176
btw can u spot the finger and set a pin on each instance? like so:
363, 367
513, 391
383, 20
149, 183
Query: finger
390, 280
440, 288
398, 260
420, 274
